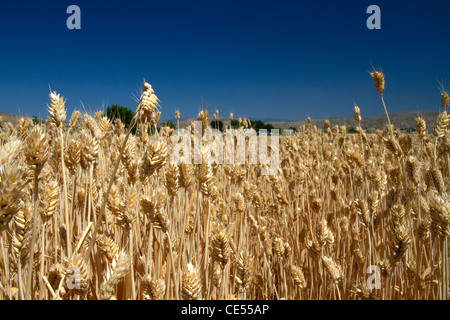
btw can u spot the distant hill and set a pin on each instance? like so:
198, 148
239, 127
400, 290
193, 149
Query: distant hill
401, 120
6, 117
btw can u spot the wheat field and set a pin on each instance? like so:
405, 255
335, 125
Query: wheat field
90, 211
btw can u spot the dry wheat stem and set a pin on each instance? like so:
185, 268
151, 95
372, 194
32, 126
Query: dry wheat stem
33, 237
108, 190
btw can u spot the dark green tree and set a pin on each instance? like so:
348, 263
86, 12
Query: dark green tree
235, 124
217, 124
37, 120
258, 125
115, 111
169, 124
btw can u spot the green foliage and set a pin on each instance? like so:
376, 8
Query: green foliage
169, 124
235, 124
351, 130
151, 130
217, 124
115, 111
37, 120
258, 125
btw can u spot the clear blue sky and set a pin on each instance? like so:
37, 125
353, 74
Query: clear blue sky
286, 59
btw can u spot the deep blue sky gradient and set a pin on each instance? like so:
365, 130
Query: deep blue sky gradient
286, 59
